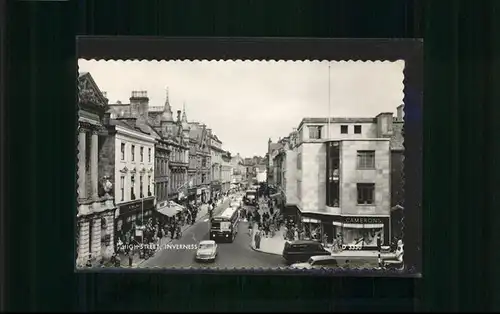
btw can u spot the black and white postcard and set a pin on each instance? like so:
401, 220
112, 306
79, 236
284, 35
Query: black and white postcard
240, 164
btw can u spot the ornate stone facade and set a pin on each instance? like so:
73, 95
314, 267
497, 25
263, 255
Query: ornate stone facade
93, 243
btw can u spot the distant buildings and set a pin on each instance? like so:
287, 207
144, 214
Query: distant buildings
336, 176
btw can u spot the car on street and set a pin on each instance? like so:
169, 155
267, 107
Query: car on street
317, 262
207, 251
301, 250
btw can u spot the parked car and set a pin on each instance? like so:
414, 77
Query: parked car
317, 262
207, 251
302, 250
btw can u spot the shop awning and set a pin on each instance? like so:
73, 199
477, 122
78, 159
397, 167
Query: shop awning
362, 226
171, 209
311, 220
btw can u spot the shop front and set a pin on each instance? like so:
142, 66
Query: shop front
131, 215
354, 232
216, 188
167, 210
205, 194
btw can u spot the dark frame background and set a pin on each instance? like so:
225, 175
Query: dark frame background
461, 170
300, 49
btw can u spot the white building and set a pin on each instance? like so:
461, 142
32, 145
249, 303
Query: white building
342, 178
226, 171
238, 169
129, 153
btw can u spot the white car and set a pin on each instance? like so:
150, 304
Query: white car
207, 251
317, 262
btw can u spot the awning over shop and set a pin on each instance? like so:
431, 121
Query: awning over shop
171, 209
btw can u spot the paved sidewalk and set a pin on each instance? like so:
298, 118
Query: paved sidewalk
270, 245
202, 216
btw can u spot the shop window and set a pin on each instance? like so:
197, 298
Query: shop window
360, 237
357, 129
366, 193
366, 159
343, 129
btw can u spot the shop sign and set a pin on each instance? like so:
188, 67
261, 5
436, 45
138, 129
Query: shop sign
198, 191
137, 205
363, 220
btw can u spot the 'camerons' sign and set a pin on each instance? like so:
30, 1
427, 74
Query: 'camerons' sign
363, 220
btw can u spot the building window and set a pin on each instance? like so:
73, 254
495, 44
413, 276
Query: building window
315, 132
366, 159
132, 192
122, 151
203, 162
149, 185
299, 161
141, 194
366, 193
343, 129
141, 152
132, 152
149, 154
299, 189
203, 178
122, 188
357, 129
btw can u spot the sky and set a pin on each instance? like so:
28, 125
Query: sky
247, 102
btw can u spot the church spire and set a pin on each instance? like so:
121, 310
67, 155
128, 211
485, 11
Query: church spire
184, 117
167, 109
184, 121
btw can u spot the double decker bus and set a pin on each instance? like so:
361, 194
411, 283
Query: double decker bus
225, 226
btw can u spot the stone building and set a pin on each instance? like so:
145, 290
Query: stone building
272, 151
96, 210
226, 170
172, 147
200, 159
175, 141
129, 153
216, 152
343, 178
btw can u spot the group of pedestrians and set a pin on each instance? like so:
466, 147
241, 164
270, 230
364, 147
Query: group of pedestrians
267, 219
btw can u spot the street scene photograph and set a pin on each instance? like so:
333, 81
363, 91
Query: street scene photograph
226, 165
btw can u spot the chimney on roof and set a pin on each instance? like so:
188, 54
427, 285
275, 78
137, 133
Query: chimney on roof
400, 112
139, 103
